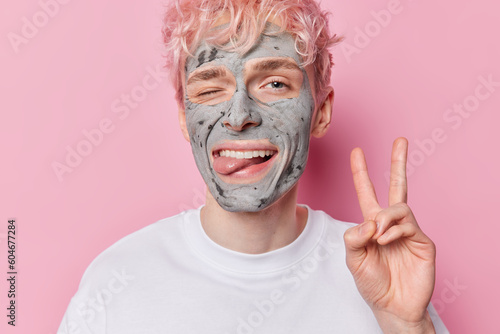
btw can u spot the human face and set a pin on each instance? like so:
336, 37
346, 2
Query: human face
248, 118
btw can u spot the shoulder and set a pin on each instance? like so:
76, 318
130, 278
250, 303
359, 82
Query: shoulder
133, 250
331, 224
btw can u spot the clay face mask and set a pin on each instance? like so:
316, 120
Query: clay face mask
248, 118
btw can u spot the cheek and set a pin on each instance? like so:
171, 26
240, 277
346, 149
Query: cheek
291, 117
198, 126
201, 122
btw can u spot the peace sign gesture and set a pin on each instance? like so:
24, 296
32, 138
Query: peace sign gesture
391, 259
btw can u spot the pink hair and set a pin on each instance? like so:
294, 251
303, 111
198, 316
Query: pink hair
188, 22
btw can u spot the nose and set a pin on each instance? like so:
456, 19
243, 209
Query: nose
243, 113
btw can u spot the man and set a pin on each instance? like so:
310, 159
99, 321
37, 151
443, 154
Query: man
252, 81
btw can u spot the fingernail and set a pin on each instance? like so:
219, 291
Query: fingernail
376, 231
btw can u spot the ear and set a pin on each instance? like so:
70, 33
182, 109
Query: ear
182, 122
323, 116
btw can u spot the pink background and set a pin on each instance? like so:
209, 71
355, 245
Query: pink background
66, 76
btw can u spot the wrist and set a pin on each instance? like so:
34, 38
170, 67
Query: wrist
391, 324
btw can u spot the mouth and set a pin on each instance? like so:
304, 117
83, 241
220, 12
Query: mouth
243, 165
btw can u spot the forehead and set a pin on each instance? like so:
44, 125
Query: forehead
267, 45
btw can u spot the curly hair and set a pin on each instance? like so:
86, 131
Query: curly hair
188, 22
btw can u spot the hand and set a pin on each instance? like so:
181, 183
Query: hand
391, 259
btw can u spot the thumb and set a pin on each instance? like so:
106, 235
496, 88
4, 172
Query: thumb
355, 240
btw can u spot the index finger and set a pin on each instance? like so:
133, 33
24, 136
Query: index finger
398, 189
364, 188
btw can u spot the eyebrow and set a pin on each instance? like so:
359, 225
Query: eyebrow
274, 64
211, 73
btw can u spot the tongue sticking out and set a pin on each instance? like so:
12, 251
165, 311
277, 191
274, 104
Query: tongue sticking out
227, 165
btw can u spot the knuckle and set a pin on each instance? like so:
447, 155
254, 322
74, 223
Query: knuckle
432, 245
348, 235
397, 181
386, 215
401, 205
404, 207
383, 217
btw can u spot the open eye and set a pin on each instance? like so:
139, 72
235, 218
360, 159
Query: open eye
271, 79
276, 85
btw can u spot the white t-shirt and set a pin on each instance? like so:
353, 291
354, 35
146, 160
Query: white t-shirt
170, 277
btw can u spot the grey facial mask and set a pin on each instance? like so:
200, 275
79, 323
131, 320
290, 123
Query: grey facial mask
285, 123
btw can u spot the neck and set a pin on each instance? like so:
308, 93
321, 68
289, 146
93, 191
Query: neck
255, 232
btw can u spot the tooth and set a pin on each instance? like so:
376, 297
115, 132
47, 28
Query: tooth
246, 154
